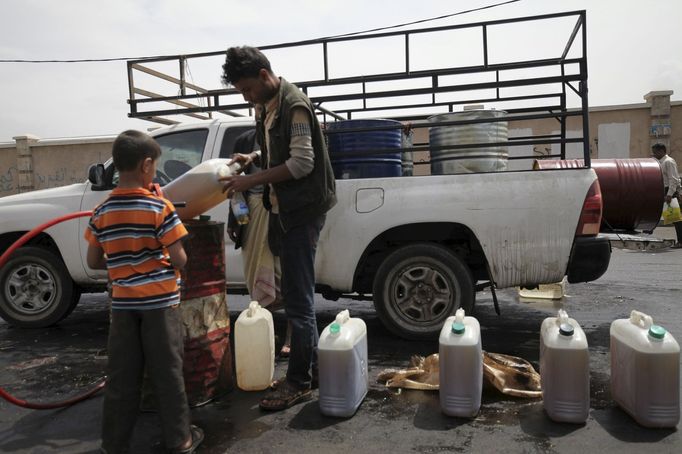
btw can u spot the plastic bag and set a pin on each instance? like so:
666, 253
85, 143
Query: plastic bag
671, 212
511, 375
422, 373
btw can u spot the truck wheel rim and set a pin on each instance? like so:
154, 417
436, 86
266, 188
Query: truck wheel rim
421, 293
30, 289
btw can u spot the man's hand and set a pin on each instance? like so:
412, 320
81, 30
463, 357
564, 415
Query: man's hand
236, 183
244, 160
668, 199
232, 233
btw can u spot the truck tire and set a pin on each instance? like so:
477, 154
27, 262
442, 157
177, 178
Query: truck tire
420, 285
36, 289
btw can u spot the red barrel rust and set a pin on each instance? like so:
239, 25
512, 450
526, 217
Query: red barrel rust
208, 356
632, 190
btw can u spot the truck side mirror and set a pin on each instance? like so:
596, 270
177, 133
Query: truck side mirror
96, 175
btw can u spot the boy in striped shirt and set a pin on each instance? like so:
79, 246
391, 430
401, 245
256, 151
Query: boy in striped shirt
135, 235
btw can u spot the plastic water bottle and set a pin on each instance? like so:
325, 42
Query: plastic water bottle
645, 371
564, 369
461, 366
254, 348
240, 208
199, 187
342, 358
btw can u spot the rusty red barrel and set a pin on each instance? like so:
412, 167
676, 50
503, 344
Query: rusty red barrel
208, 356
632, 190
207, 367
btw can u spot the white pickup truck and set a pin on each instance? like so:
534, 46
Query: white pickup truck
420, 245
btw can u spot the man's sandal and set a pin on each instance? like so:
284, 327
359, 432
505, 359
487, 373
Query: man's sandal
283, 396
314, 383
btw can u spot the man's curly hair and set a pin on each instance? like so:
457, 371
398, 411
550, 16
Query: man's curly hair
243, 62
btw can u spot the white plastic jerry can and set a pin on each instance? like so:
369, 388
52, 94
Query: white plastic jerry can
342, 359
254, 348
461, 366
200, 187
645, 371
564, 369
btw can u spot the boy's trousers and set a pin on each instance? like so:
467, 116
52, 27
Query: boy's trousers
137, 338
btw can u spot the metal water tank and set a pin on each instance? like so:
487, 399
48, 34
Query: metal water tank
353, 154
631, 189
459, 158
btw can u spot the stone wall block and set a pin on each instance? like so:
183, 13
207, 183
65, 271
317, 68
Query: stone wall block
25, 161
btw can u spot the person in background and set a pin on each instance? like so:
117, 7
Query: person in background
136, 236
261, 268
671, 182
299, 190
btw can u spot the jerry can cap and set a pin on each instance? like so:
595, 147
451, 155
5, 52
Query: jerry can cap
566, 329
458, 328
335, 328
657, 332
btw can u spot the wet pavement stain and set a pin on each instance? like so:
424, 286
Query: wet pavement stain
463, 444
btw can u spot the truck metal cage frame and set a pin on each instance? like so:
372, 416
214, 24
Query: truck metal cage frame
528, 89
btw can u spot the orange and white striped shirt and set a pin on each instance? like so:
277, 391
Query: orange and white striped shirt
134, 228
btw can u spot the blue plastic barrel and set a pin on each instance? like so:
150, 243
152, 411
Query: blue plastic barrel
353, 154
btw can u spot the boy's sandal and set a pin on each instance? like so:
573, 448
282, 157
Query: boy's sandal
284, 396
197, 437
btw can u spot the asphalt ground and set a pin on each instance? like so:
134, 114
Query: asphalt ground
52, 364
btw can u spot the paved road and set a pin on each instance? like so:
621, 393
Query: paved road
53, 363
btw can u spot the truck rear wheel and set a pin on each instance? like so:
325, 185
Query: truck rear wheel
36, 289
420, 285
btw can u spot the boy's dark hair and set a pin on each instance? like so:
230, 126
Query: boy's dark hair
245, 61
659, 147
132, 147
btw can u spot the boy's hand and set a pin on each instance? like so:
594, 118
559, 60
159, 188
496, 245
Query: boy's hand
95, 257
156, 189
178, 256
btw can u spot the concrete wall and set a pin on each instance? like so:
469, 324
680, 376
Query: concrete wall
9, 179
32, 163
615, 132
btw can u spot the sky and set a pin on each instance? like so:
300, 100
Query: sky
633, 48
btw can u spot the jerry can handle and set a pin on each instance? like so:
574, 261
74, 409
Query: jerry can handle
342, 317
459, 315
641, 319
561, 317
253, 308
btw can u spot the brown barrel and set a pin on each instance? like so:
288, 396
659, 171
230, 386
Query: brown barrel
207, 366
632, 190
208, 356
